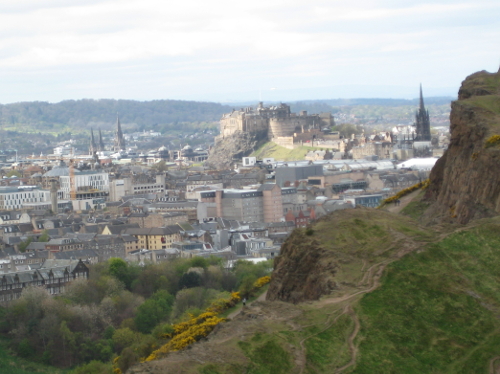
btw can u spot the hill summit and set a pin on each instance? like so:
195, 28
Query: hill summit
465, 184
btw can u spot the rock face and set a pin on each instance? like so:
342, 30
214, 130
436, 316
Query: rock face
237, 145
303, 271
465, 183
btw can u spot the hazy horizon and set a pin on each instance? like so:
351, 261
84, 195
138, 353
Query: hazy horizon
52, 50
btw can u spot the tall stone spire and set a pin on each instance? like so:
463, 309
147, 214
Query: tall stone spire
101, 142
92, 146
119, 140
422, 121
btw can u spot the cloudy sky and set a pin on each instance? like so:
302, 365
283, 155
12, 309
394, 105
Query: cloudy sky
52, 50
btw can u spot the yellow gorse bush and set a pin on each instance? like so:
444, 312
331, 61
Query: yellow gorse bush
421, 185
492, 141
195, 328
261, 282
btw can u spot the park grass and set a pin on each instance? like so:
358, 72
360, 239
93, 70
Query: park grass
436, 310
280, 153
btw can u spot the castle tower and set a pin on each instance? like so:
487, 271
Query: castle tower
92, 146
422, 122
119, 140
101, 142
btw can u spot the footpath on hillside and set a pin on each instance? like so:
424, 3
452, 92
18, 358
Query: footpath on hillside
404, 201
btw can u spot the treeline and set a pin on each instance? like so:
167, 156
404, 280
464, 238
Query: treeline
75, 113
378, 102
122, 310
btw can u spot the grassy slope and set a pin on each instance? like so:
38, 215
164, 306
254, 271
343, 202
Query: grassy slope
435, 311
279, 153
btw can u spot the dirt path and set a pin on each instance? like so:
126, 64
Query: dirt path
373, 279
237, 311
405, 200
375, 282
352, 347
303, 359
494, 369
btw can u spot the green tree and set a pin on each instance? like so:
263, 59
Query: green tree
153, 311
44, 237
24, 244
122, 271
13, 173
94, 367
123, 338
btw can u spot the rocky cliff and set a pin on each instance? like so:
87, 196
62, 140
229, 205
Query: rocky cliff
328, 257
465, 183
236, 146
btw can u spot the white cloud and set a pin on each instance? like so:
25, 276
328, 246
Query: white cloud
321, 40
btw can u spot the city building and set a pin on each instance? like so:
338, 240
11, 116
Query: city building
16, 197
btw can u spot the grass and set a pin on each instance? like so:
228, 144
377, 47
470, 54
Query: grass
328, 350
267, 355
416, 208
277, 152
489, 102
435, 311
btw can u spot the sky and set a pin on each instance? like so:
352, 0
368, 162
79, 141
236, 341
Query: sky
230, 51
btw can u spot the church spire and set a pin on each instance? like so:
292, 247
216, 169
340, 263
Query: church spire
101, 142
421, 98
422, 121
92, 147
119, 140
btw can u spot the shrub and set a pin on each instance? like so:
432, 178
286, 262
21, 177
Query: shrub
492, 141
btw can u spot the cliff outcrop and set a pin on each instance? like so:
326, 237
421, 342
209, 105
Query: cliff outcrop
329, 256
235, 146
465, 183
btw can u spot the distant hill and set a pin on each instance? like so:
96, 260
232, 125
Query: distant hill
77, 113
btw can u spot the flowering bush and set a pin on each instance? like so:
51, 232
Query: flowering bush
492, 141
423, 185
197, 327
261, 282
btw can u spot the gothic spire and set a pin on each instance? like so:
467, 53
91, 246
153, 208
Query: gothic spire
421, 98
422, 121
92, 147
119, 140
101, 142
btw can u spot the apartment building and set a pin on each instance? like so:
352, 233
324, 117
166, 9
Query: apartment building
15, 197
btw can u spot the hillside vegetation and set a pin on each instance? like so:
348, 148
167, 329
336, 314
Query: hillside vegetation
404, 299
279, 153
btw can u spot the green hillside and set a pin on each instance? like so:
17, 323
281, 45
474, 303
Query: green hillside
279, 153
408, 300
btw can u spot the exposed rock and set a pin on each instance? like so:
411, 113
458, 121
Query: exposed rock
236, 146
303, 271
465, 183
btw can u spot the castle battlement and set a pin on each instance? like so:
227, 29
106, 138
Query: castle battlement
277, 121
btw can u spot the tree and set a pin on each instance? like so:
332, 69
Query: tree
44, 237
125, 273
13, 173
347, 129
153, 311
24, 244
189, 280
94, 367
